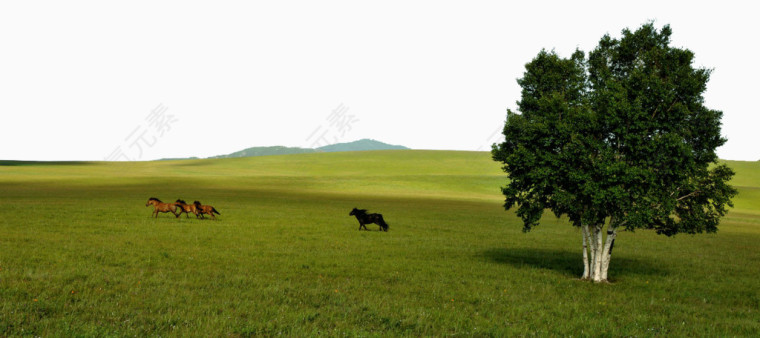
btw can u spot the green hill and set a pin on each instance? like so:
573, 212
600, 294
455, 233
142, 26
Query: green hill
266, 151
360, 145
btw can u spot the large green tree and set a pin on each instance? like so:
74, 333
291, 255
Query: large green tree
620, 139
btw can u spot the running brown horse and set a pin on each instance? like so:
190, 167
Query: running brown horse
186, 208
206, 209
159, 206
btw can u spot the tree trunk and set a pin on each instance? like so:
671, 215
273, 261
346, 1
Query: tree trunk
597, 251
607, 253
593, 249
586, 254
598, 243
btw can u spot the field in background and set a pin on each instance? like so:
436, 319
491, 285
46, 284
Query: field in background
79, 254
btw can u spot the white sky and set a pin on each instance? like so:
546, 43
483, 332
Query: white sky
79, 80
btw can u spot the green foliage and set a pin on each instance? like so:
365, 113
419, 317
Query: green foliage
80, 255
622, 135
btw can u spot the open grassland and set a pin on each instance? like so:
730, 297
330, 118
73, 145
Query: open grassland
80, 255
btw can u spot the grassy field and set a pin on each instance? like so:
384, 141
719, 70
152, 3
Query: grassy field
80, 255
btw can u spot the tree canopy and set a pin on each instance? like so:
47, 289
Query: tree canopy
620, 137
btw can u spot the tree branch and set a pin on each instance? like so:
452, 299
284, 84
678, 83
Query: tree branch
692, 194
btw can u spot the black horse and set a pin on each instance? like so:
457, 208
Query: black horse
364, 218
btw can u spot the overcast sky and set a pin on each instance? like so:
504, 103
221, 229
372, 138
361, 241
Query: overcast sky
142, 80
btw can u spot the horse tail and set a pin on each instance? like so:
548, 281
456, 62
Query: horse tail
214, 210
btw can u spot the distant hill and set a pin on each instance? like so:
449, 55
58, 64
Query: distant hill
360, 145
266, 151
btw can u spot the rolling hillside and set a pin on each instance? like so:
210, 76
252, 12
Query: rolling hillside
81, 256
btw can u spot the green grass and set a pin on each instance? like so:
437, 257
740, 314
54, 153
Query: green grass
80, 256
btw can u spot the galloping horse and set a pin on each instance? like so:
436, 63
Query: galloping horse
186, 208
364, 218
159, 206
206, 209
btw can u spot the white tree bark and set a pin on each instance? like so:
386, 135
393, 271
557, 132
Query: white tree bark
597, 251
586, 250
607, 253
592, 251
